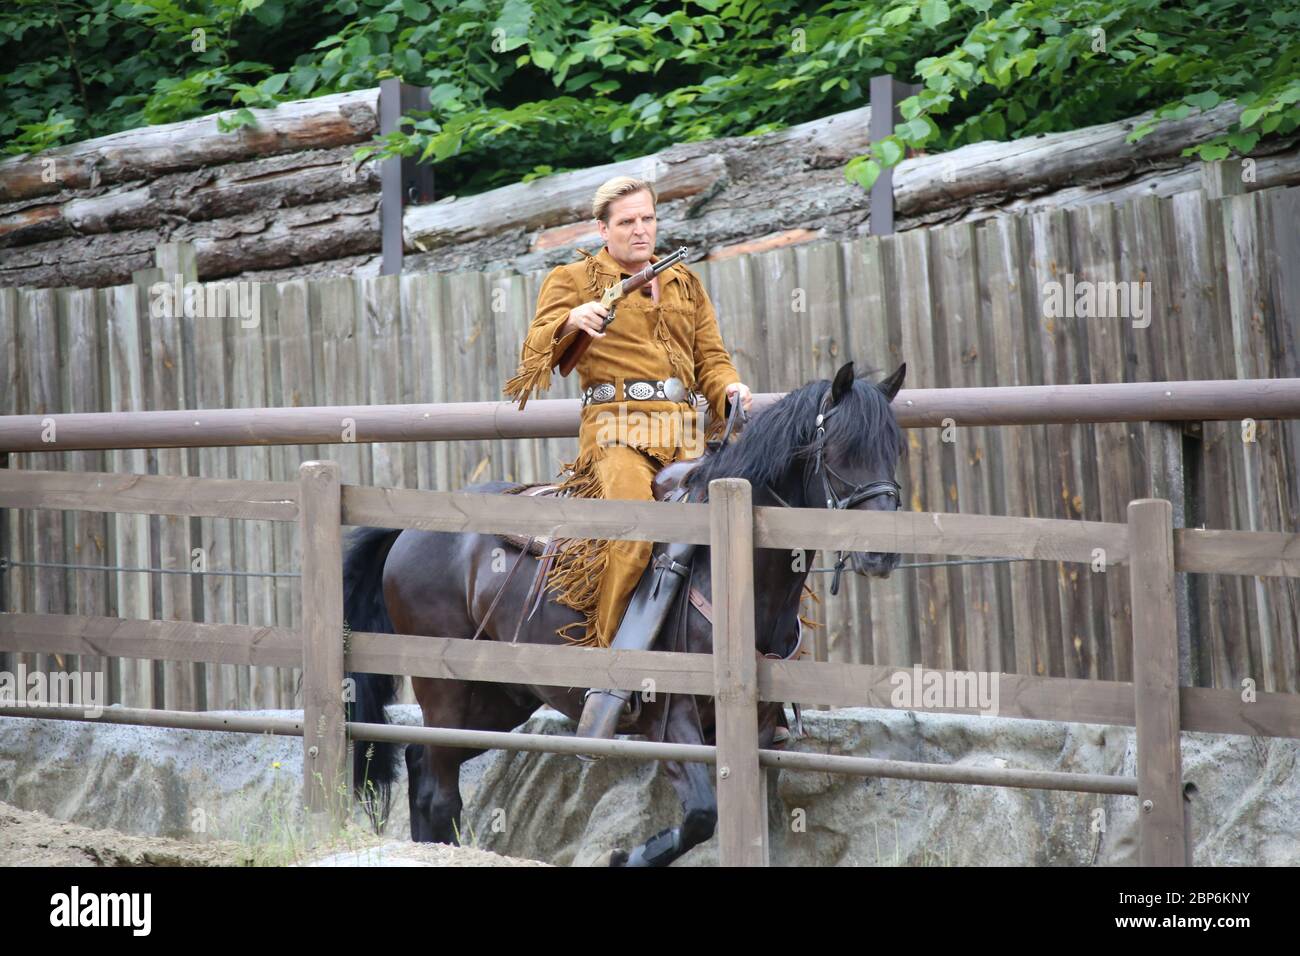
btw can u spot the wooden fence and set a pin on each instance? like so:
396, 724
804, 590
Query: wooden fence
962, 304
1148, 545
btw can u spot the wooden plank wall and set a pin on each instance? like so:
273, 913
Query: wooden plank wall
962, 304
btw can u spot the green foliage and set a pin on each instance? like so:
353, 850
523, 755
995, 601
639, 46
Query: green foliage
524, 88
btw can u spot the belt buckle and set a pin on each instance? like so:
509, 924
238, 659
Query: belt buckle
640, 391
673, 389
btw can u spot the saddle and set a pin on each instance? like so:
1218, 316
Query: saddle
666, 486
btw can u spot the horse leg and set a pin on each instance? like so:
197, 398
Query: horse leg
694, 785
433, 785
433, 772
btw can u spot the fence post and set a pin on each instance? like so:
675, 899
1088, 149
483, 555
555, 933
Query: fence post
324, 739
742, 797
1162, 833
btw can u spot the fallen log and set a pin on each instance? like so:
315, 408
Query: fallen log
145, 153
217, 192
225, 247
694, 172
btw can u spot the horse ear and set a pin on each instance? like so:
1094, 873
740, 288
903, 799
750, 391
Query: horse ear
891, 385
843, 383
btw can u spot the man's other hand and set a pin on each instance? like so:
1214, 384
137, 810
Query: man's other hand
589, 317
741, 389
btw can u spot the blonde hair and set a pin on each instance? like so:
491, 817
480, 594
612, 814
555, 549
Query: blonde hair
616, 188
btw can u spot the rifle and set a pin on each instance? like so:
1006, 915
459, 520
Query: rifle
578, 348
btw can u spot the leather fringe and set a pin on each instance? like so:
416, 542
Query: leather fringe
593, 278
579, 568
808, 592
534, 375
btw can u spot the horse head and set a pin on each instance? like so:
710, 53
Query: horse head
830, 444
854, 453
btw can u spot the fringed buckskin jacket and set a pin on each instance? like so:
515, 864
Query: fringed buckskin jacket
678, 337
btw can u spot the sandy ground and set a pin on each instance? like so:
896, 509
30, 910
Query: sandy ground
33, 839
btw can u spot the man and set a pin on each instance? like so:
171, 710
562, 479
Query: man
665, 331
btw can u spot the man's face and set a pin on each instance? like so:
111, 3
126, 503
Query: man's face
630, 232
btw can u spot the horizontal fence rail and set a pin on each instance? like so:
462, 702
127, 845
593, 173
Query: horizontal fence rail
1188, 401
625, 749
1073, 700
1255, 553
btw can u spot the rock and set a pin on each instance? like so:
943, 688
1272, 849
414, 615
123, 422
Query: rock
1245, 805
1245, 793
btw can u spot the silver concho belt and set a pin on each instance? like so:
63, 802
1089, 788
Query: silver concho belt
638, 390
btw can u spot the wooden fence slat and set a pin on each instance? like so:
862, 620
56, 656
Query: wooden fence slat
295, 369
1247, 288
175, 683
873, 337
1109, 474
212, 340
923, 339
133, 593
84, 393
817, 279
1281, 248
1190, 341
252, 540
468, 348
379, 324
45, 529
506, 312
976, 606
10, 522
416, 296
1049, 260
1011, 464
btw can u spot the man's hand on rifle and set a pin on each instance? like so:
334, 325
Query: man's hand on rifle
589, 317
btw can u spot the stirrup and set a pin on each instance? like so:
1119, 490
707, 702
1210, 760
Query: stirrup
602, 710
631, 705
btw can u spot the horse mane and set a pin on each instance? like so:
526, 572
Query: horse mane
864, 427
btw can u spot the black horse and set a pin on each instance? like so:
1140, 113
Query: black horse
827, 444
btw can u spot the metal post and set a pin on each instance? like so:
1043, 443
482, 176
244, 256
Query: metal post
403, 179
886, 93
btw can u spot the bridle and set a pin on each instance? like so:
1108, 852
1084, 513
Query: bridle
834, 501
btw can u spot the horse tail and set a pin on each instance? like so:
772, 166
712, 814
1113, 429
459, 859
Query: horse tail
374, 764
